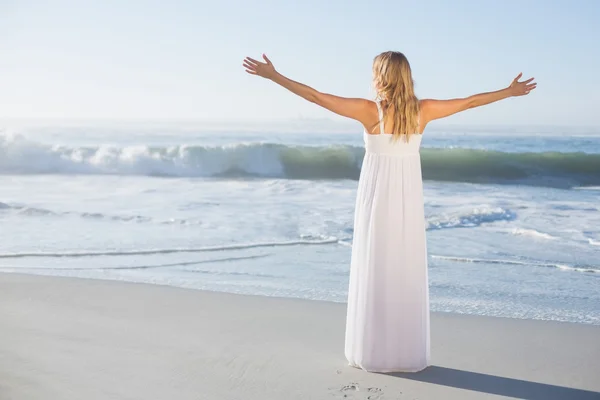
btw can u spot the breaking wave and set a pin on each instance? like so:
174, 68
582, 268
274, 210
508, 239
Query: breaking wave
269, 160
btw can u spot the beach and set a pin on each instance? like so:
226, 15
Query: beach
178, 264
69, 338
195, 195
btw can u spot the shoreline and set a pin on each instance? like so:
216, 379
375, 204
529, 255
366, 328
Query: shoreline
73, 338
134, 282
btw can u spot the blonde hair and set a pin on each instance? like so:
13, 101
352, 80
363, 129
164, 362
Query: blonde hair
392, 78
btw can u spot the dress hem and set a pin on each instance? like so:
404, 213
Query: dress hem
391, 370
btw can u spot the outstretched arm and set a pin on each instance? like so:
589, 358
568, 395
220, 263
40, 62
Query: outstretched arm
354, 108
436, 109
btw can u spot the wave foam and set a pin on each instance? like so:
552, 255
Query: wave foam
593, 242
242, 246
475, 217
587, 188
564, 267
154, 266
532, 233
42, 212
20, 156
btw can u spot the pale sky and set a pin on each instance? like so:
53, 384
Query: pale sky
134, 59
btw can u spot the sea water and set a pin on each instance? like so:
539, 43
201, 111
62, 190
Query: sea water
513, 217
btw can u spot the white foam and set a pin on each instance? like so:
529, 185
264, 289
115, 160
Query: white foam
593, 242
515, 262
532, 233
587, 188
241, 246
466, 219
18, 155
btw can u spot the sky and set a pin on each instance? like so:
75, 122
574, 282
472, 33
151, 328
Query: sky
182, 60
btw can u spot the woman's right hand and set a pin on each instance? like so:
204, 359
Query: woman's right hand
264, 69
517, 88
435, 109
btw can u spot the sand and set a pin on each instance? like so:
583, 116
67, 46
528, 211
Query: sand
64, 338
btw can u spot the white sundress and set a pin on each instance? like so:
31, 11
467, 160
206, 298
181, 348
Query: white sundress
387, 325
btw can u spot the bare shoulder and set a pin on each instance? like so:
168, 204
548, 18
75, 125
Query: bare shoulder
424, 112
354, 108
369, 106
425, 106
371, 116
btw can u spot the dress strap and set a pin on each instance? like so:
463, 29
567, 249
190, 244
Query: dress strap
380, 112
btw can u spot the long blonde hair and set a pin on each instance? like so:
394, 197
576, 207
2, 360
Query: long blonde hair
392, 78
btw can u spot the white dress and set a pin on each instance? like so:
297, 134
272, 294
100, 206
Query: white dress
387, 325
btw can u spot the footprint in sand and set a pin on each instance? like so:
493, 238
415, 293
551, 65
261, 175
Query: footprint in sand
353, 391
351, 387
347, 392
374, 393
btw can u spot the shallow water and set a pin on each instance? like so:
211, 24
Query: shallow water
513, 223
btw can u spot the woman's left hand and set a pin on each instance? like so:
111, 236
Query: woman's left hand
517, 88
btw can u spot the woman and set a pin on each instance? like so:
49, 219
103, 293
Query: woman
387, 325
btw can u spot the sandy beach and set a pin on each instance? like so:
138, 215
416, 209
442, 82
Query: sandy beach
64, 338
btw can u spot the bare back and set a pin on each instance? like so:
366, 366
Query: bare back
372, 124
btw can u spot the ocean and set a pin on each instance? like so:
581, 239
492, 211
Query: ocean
513, 217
